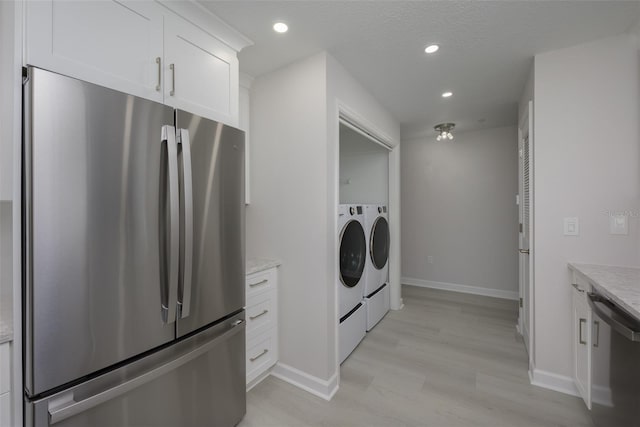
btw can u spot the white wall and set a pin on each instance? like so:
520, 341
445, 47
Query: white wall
287, 217
294, 198
364, 169
345, 94
458, 206
586, 153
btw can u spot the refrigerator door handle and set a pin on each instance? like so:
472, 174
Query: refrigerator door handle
65, 406
169, 310
185, 298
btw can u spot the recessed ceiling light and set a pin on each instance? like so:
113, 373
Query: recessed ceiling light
433, 48
447, 94
280, 27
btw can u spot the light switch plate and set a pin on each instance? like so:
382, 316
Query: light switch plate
571, 226
618, 224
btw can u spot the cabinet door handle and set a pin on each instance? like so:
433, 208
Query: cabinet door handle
258, 315
172, 67
159, 62
582, 321
596, 333
253, 285
265, 351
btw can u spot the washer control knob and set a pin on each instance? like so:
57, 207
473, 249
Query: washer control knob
379, 209
352, 210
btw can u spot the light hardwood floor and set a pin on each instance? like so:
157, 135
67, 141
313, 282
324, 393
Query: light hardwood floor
446, 359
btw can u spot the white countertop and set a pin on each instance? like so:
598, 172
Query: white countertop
255, 265
620, 284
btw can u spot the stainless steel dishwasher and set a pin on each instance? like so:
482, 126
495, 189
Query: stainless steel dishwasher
615, 365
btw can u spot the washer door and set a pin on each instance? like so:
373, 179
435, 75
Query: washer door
379, 250
353, 252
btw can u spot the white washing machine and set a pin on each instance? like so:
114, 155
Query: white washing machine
352, 260
376, 287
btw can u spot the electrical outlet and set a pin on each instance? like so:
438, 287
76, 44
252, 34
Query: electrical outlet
429, 259
571, 226
618, 224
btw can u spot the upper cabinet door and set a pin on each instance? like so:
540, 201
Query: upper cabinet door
201, 72
117, 44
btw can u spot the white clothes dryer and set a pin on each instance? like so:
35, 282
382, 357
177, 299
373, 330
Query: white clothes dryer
376, 287
352, 256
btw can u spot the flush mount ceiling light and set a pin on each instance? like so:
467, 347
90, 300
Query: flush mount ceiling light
447, 94
444, 131
432, 48
280, 27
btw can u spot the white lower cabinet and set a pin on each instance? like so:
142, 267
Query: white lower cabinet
5, 410
581, 317
262, 324
5, 385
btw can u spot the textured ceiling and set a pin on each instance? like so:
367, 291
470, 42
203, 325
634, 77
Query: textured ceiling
487, 48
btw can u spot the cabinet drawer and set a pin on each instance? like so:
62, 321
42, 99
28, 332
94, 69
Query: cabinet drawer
260, 282
261, 354
5, 410
5, 368
260, 313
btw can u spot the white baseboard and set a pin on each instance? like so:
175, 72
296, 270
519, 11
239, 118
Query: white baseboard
314, 385
466, 289
553, 382
258, 379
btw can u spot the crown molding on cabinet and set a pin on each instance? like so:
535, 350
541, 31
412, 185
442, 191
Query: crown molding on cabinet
202, 18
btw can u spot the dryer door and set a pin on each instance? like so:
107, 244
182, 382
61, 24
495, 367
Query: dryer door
380, 238
353, 252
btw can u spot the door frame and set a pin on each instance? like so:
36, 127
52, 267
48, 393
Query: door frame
525, 130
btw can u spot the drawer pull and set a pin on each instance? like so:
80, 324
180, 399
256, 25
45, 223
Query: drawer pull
253, 285
265, 351
580, 323
258, 315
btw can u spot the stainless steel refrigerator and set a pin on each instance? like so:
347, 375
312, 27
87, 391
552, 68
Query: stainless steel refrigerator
134, 261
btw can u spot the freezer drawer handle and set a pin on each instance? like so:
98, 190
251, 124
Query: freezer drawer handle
253, 285
258, 315
265, 351
62, 412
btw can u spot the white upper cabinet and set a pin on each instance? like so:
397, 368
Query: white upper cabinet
176, 53
109, 43
201, 72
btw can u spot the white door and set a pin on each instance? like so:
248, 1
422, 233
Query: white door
116, 44
201, 72
526, 224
